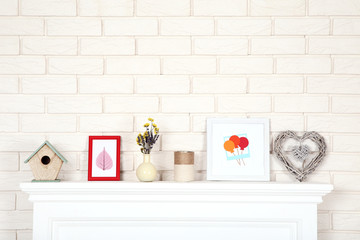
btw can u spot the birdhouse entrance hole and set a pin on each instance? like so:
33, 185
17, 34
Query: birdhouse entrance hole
45, 160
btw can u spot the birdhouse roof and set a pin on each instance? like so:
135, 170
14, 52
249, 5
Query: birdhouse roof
51, 147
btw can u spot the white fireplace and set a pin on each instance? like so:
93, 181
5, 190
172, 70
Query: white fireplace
175, 211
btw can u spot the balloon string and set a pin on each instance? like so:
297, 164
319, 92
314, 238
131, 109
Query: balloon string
238, 160
242, 158
238, 154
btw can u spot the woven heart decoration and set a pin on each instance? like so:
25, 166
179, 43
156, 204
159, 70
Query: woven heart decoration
300, 152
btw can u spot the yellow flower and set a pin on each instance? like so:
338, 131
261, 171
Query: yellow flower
146, 134
146, 124
150, 119
154, 125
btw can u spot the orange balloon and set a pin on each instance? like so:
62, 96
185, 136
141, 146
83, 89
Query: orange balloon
229, 146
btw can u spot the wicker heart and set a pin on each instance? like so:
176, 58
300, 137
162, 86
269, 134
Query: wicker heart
300, 152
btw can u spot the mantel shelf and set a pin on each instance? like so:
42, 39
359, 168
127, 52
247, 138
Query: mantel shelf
193, 210
174, 191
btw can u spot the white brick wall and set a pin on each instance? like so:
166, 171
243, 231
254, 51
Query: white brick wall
22, 65
187, 26
163, 8
133, 65
107, 46
21, 26
189, 65
162, 84
346, 26
130, 27
220, 46
108, 84
9, 45
9, 84
246, 65
302, 26
277, 8
301, 65
276, 84
334, 7
164, 46
48, 123
48, 84
75, 104
74, 68
131, 104
220, 7
105, 8
49, 46
283, 45
76, 65
243, 26
8, 7
347, 65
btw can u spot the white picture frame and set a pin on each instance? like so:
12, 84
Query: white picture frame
238, 149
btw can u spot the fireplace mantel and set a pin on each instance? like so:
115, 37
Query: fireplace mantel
169, 210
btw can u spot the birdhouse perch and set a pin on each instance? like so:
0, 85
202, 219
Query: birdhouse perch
46, 163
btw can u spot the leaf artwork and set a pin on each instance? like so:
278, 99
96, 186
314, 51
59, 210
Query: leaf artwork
104, 161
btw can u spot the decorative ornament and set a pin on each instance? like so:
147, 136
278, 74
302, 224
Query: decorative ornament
46, 163
300, 152
184, 170
146, 172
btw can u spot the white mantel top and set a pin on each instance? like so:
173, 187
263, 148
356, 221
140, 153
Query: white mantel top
195, 210
208, 191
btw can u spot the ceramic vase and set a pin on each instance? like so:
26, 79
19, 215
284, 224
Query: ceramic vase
146, 172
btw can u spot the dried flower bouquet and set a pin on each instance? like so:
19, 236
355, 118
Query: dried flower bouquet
149, 138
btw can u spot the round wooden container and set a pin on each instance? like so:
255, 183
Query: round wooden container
184, 166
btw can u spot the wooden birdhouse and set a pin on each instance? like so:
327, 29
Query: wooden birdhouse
46, 163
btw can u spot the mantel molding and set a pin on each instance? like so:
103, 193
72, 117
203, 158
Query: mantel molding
157, 210
204, 191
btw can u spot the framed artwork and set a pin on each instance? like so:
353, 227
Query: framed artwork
104, 158
238, 149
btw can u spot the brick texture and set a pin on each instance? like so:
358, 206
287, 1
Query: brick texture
74, 68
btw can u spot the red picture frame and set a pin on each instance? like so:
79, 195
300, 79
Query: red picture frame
102, 151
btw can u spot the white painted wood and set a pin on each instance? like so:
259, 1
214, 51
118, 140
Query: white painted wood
158, 210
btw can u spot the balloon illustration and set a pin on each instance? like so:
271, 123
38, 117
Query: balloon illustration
229, 146
236, 140
244, 142
239, 144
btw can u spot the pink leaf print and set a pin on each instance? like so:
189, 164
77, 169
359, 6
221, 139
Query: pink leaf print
104, 161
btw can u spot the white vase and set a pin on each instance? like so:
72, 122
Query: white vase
146, 172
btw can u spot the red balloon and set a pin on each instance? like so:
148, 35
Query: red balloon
244, 142
236, 140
